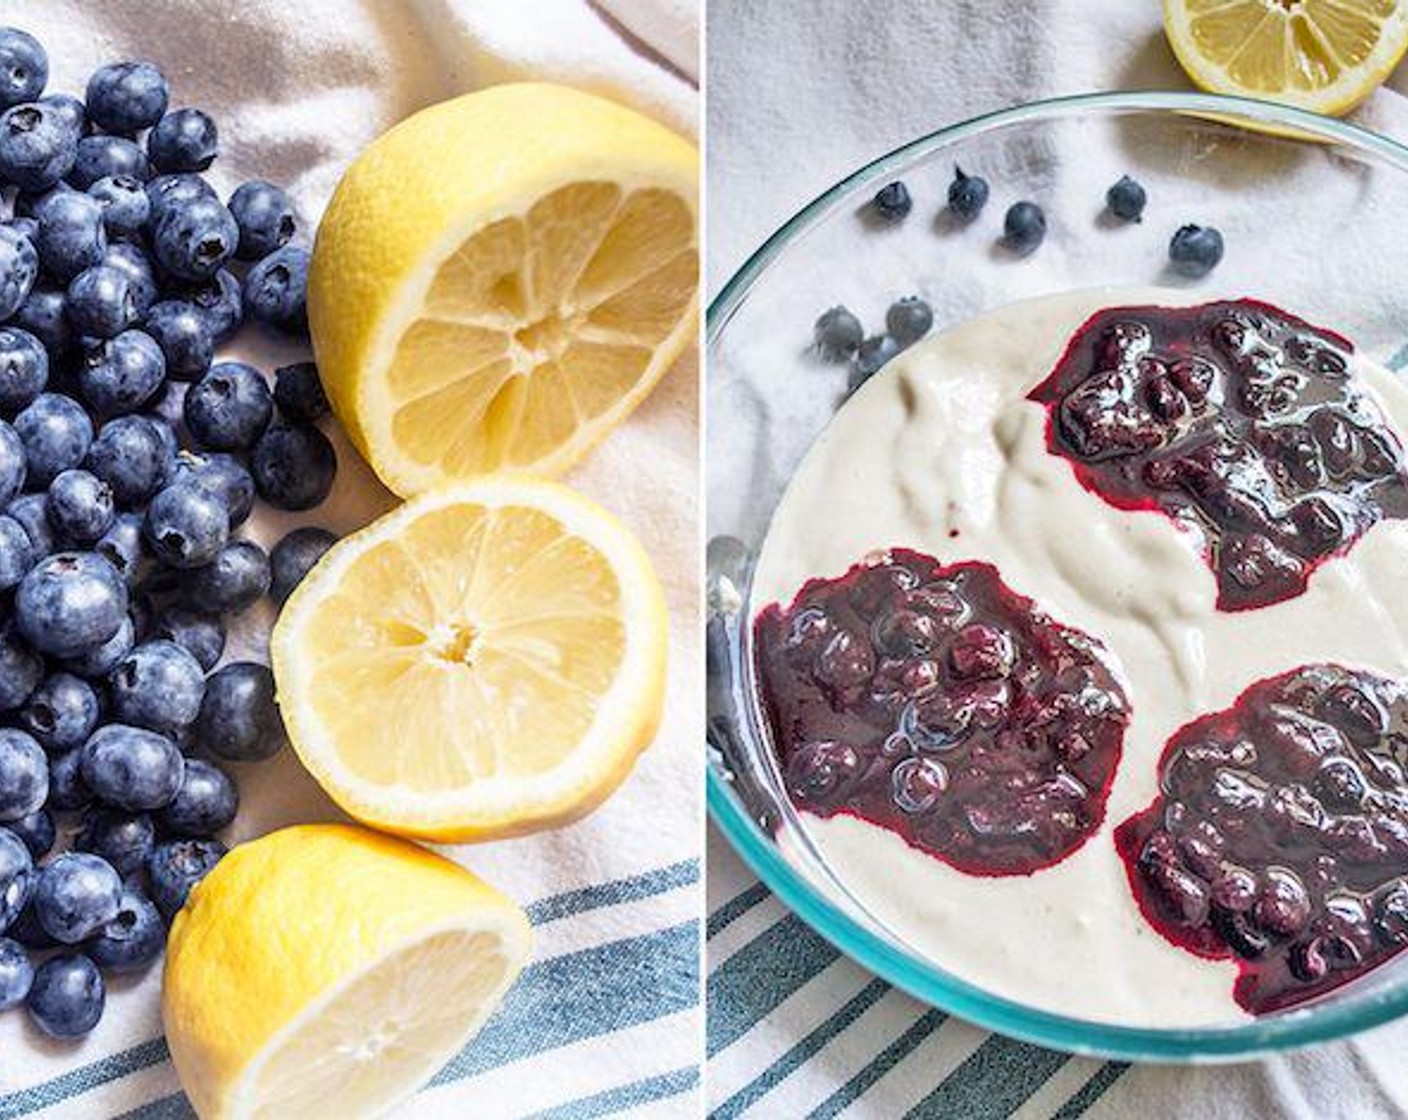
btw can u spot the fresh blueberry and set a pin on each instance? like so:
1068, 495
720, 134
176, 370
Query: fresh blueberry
229, 408
206, 802
838, 334
29, 511
14, 463
222, 475
17, 553
102, 156
201, 634
186, 525
75, 894
219, 299
183, 140
129, 258
30, 204
126, 97
276, 290
1024, 228
80, 506
27, 931
874, 352
131, 768
892, 201
16, 974
967, 194
71, 234
95, 664
61, 713
176, 866
25, 227
24, 775
1126, 199
119, 375
230, 584
130, 455
171, 189
17, 878
42, 315
1195, 251
124, 546
71, 112
293, 466
69, 603
24, 67
133, 939
298, 391
67, 792
124, 202
21, 668
24, 371
37, 148
36, 832
294, 556
194, 238
183, 334
56, 434
19, 267
265, 217
239, 720
157, 686
908, 320
66, 998
123, 839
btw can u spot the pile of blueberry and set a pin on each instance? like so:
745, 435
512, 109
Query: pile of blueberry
129, 459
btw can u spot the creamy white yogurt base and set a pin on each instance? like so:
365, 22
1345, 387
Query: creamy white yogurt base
942, 439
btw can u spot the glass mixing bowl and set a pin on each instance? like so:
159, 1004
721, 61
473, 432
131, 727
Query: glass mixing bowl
1313, 211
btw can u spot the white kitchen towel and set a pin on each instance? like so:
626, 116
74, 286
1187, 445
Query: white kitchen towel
799, 95
606, 1019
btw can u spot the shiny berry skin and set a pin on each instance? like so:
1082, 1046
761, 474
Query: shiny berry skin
17, 878
24, 367
892, 202
294, 557
908, 320
194, 238
24, 67
298, 392
837, 334
234, 581
187, 526
133, 939
67, 997
36, 147
1126, 199
131, 768
265, 216
17, 553
130, 455
1195, 251
132, 261
96, 663
125, 97
102, 157
16, 973
42, 315
229, 408
205, 804
122, 374
171, 189
71, 234
293, 466
182, 332
75, 894
80, 506
276, 290
967, 194
222, 475
69, 603
61, 713
56, 434
174, 867
124, 546
19, 268
124, 202
157, 686
239, 720
220, 299
874, 352
122, 839
24, 775
183, 140
1024, 228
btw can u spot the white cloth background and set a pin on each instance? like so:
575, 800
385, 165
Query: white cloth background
297, 89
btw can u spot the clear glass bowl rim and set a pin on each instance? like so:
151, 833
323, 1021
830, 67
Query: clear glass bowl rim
1322, 1023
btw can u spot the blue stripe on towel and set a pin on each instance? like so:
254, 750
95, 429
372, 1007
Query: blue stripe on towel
625, 1096
991, 1083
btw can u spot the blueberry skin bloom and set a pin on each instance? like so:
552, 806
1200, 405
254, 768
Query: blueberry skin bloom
70, 603
206, 802
126, 97
128, 258
183, 140
220, 299
229, 408
14, 468
120, 375
37, 148
239, 720
76, 894
1195, 251
265, 217
98, 662
1126, 199
36, 832
169, 189
67, 997
294, 557
133, 939
56, 434
158, 686
16, 973
131, 768
222, 475
24, 775
183, 334
124, 202
230, 584
298, 391
24, 363
71, 234
19, 267
80, 506
17, 556
187, 526
131, 457
276, 290
194, 238
123, 839
175, 867
61, 713
24, 67
16, 878
293, 466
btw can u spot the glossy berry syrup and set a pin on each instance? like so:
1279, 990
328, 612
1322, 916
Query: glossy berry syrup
936, 702
1238, 421
1280, 835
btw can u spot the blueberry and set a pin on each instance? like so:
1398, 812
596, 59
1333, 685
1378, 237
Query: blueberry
129, 258
176, 866
276, 290
19, 267
24, 775
119, 375
56, 434
201, 634
170, 189
16, 974
17, 554
67, 792
37, 148
1126, 199
124, 202
837, 334
66, 998
42, 315
183, 334
298, 391
14, 466
29, 511
102, 157
24, 67
80, 506
70, 110
123, 839
892, 202
230, 584
28, 932
24, 226
126, 97
206, 802
69, 603
71, 235
1024, 228
183, 140
75, 894
130, 455
36, 832
874, 352
61, 713
158, 687
24, 370
219, 299
131, 768
133, 939
17, 878
194, 238
222, 475
239, 720
967, 194
294, 556
95, 664
124, 546
908, 320
293, 466
186, 525
229, 408
21, 668
265, 217
1195, 251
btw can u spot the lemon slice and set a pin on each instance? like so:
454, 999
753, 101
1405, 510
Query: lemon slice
487, 660
327, 970
1323, 55
500, 279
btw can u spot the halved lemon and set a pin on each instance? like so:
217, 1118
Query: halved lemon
328, 970
486, 660
500, 279
1323, 55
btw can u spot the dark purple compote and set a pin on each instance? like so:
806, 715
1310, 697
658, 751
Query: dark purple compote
938, 703
1238, 421
1280, 834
